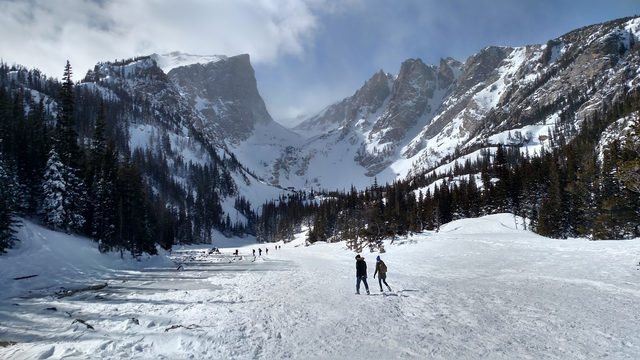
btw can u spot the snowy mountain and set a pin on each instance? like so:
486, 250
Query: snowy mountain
174, 59
518, 96
223, 92
398, 125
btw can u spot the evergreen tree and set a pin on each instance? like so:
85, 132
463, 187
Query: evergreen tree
8, 222
133, 232
551, 219
629, 167
64, 192
66, 133
63, 196
31, 158
501, 189
104, 214
617, 218
54, 190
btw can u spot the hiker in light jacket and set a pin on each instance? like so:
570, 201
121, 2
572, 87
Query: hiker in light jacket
381, 270
361, 274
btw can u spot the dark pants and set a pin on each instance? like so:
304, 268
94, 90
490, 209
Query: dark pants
380, 281
364, 280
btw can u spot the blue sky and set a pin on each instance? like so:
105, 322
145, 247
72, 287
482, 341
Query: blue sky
307, 54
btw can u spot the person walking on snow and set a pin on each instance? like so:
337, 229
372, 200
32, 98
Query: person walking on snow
361, 274
381, 270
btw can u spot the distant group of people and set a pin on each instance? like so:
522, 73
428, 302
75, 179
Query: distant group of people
266, 250
361, 273
237, 252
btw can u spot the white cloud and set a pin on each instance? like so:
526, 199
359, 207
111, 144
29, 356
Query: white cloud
45, 33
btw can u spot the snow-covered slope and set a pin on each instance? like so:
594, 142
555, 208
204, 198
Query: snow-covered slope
480, 288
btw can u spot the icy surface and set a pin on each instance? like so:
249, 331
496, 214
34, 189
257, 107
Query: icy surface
479, 288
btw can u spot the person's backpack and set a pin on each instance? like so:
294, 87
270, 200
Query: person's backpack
383, 267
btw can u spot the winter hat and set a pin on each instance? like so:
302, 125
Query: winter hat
358, 256
378, 258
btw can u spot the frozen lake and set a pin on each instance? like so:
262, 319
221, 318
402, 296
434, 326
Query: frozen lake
480, 288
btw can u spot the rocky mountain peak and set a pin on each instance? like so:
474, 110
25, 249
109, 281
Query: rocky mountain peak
175, 59
446, 75
395, 125
225, 92
366, 101
414, 87
374, 92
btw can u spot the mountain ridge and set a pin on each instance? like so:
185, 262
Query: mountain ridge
495, 91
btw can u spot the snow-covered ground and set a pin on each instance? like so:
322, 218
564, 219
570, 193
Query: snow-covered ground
480, 288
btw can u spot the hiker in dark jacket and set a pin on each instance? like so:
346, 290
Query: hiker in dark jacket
381, 270
361, 274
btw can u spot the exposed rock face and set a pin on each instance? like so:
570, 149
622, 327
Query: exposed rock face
478, 70
446, 76
367, 100
575, 75
417, 92
226, 93
410, 96
481, 67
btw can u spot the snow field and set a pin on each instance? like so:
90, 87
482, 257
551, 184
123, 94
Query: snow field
479, 288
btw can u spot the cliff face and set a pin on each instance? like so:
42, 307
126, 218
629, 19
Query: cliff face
226, 93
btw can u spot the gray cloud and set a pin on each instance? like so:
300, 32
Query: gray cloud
46, 33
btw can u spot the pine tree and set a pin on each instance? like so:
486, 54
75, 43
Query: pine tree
66, 133
629, 167
501, 189
54, 190
618, 214
63, 196
8, 222
75, 202
551, 216
134, 232
31, 159
64, 193
6, 122
104, 211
